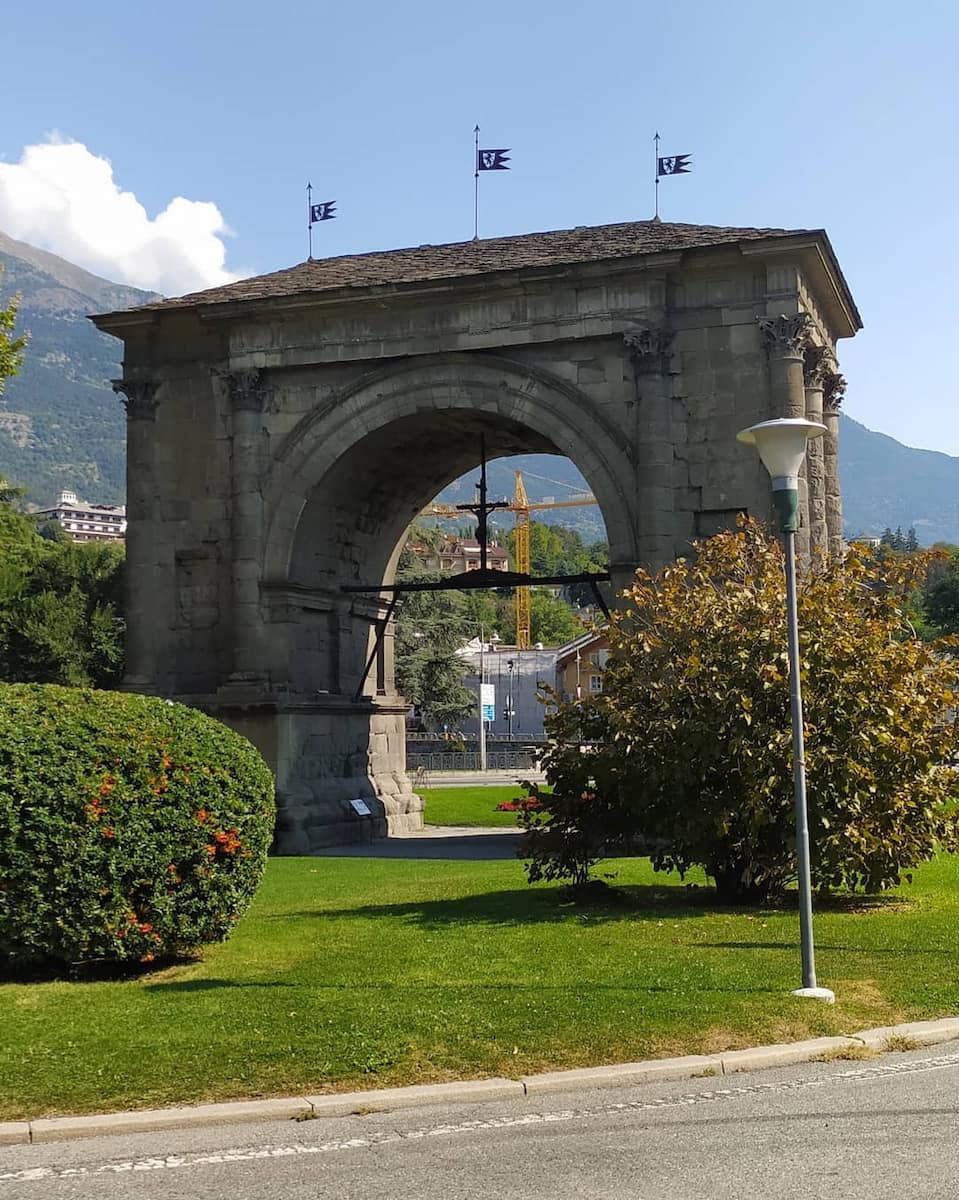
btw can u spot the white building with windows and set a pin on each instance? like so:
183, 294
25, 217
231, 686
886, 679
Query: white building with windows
88, 522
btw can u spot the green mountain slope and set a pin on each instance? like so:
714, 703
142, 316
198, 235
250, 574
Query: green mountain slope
885, 483
61, 425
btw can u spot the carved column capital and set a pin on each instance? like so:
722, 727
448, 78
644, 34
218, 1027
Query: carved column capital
785, 337
138, 396
834, 388
247, 389
649, 349
815, 366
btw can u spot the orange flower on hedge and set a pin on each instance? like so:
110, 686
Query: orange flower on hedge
202, 815
228, 842
108, 832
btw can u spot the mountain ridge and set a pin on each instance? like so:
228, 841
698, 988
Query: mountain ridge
61, 426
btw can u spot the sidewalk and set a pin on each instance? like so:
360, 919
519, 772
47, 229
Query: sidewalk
916, 1033
470, 843
433, 779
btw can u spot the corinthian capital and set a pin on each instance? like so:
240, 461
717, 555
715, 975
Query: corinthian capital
834, 388
815, 365
649, 349
138, 396
785, 337
247, 390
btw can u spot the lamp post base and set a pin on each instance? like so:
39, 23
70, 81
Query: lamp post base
816, 993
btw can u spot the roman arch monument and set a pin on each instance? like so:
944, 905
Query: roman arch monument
283, 432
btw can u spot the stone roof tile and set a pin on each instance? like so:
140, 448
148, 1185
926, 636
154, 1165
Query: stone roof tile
456, 260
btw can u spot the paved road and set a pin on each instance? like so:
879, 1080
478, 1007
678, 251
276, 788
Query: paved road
885, 1128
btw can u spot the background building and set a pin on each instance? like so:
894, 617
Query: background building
88, 522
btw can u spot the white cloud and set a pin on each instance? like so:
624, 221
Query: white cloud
62, 197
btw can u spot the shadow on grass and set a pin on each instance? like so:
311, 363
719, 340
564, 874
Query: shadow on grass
211, 985
863, 948
639, 902
92, 972
431, 986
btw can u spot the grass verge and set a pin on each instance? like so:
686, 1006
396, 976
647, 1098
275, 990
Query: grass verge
354, 973
472, 806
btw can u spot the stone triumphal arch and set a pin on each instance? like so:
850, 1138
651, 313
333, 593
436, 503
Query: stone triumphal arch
283, 431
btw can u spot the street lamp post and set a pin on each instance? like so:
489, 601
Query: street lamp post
782, 448
482, 706
509, 697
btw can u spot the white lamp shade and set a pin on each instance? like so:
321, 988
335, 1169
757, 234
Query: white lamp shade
782, 447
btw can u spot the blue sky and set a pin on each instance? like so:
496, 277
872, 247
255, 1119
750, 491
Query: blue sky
840, 115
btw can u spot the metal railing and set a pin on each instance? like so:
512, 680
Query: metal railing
496, 760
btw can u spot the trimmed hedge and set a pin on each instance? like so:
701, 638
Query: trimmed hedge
131, 828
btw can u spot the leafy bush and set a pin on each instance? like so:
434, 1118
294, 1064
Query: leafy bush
690, 747
130, 827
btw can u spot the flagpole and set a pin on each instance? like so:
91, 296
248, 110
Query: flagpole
656, 153
309, 223
476, 184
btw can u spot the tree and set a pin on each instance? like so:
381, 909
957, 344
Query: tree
429, 629
11, 348
60, 605
689, 746
552, 621
940, 596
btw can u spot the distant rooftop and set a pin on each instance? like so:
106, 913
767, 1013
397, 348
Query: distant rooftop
479, 257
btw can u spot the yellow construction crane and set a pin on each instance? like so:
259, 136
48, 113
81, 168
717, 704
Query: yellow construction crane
521, 508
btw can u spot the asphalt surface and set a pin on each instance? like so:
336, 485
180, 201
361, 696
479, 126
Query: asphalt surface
884, 1127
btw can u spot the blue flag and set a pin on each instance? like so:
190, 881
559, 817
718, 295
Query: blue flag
492, 160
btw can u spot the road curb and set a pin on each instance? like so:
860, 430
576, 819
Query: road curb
50, 1129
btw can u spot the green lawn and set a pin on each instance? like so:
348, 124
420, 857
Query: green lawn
369, 972
469, 805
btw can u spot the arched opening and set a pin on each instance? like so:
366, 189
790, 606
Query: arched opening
345, 494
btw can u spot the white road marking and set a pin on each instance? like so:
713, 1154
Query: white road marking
220, 1157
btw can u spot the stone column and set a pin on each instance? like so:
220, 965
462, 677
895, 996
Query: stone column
786, 338
834, 386
650, 351
144, 624
248, 396
814, 372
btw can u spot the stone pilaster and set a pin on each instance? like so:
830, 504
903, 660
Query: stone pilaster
834, 387
814, 370
649, 349
139, 398
248, 395
786, 338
